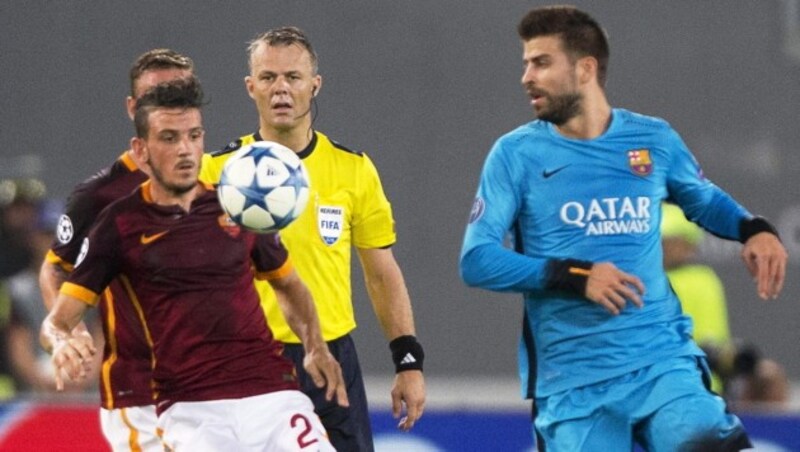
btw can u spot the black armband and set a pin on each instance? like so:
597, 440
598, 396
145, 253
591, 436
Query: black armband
752, 226
569, 275
407, 353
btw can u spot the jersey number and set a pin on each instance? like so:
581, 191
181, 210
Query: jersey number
305, 424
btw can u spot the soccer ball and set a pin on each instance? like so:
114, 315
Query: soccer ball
264, 187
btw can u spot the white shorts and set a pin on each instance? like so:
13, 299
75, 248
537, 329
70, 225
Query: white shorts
278, 421
131, 429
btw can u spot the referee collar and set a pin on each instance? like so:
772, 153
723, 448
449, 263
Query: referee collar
302, 154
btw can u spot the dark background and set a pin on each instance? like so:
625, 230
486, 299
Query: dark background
425, 88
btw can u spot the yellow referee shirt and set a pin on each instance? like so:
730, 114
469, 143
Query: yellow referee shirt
347, 206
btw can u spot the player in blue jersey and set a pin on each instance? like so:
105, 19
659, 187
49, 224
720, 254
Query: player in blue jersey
606, 353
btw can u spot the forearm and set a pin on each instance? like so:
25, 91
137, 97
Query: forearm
62, 322
391, 302
495, 268
51, 276
298, 308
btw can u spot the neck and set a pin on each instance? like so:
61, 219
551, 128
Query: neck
592, 121
297, 138
164, 196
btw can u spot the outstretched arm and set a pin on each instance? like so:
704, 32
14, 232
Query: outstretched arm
298, 308
392, 305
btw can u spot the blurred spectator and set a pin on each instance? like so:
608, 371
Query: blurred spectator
18, 200
7, 389
744, 377
30, 365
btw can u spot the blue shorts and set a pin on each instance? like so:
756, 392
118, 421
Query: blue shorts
348, 429
663, 407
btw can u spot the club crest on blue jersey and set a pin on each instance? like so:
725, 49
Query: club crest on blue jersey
330, 221
477, 210
640, 162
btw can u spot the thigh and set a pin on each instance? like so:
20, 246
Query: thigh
132, 428
596, 432
282, 421
199, 426
348, 428
695, 421
589, 418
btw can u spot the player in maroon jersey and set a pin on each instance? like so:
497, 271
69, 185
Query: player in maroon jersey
127, 412
220, 378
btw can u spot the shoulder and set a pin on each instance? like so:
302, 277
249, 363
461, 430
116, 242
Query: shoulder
324, 143
106, 185
233, 146
642, 123
527, 141
524, 137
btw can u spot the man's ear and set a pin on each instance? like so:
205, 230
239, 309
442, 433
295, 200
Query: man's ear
587, 69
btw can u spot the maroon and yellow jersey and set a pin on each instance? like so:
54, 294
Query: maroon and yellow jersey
125, 376
189, 275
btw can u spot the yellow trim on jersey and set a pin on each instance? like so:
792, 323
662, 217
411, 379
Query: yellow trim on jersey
81, 293
52, 258
128, 161
111, 340
347, 207
280, 272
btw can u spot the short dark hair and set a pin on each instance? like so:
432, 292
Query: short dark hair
158, 59
181, 93
284, 36
581, 35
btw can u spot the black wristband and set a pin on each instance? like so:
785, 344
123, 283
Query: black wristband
407, 353
752, 226
569, 275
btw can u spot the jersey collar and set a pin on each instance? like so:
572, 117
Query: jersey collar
302, 154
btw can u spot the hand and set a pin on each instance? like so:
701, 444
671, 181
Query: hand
765, 258
408, 388
72, 354
324, 370
611, 287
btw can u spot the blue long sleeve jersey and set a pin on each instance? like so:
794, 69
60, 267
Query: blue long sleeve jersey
596, 200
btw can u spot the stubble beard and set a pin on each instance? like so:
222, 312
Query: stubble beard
562, 108
175, 189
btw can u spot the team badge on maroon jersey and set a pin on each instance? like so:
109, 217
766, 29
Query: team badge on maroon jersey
639, 161
227, 225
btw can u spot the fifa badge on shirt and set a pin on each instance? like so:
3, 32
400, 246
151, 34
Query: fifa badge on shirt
639, 161
330, 221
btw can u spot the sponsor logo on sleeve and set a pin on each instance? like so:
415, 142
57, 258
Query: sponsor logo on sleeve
478, 207
64, 231
84, 251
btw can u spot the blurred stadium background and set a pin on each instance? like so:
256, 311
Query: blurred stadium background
425, 88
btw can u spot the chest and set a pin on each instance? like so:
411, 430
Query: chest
171, 244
